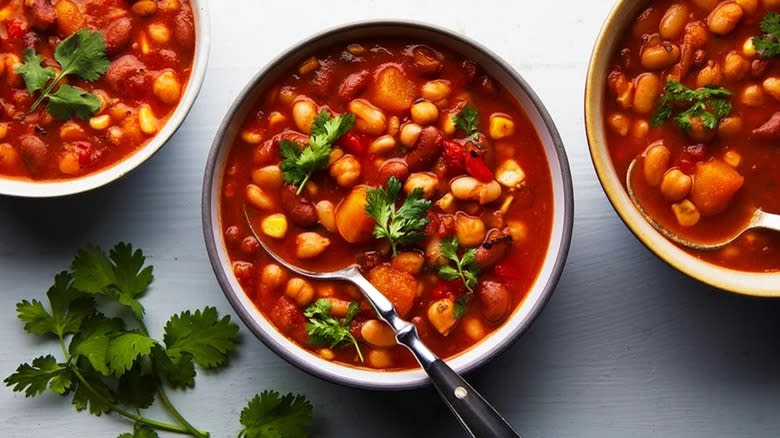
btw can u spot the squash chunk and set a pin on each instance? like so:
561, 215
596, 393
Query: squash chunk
392, 90
398, 286
714, 185
352, 222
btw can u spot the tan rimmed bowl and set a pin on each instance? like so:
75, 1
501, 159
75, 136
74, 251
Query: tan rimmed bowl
747, 283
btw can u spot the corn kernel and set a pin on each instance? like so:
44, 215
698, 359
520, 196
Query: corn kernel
159, 33
687, 214
356, 49
143, 43
275, 225
287, 95
167, 87
99, 122
446, 203
147, 120
748, 49
506, 204
732, 158
119, 111
501, 126
69, 164
308, 66
276, 119
448, 124
327, 354
251, 137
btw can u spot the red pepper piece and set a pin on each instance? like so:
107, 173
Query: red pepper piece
448, 289
475, 165
17, 28
454, 157
353, 143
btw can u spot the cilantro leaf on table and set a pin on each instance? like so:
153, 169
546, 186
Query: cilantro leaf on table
270, 415
92, 341
69, 309
768, 45
119, 275
709, 104
141, 431
44, 372
92, 393
179, 372
300, 162
400, 226
125, 349
35, 75
326, 330
467, 120
202, 335
137, 389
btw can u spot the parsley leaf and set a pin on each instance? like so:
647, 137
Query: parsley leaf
82, 54
298, 162
401, 226
465, 268
203, 335
467, 120
119, 275
768, 45
69, 309
326, 330
269, 415
44, 371
35, 76
709, 104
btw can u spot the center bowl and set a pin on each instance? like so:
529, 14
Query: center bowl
563, 211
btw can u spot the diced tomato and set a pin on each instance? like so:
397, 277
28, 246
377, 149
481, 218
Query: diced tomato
87, 153
17, 28
353, 143
454, 157
453, 289
691, 155
475, 165
433, 224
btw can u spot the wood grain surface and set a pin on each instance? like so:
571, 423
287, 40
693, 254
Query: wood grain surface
627, 347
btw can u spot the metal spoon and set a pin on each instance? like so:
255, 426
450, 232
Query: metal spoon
759, 219
475, 414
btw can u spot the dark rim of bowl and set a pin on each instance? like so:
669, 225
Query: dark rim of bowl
212, 245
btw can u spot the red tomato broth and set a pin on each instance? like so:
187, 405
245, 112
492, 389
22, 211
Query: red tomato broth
532, 205
758, 250
96, 148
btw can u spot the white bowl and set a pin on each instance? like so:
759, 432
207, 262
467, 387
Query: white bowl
483, 351
49, 189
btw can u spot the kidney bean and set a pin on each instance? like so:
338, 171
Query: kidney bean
495, 300
428, 149
353, 85
124, 70
770, 130
394, 167
298, 209
42, 14
494, 248
117, 34
184, 28
34, 152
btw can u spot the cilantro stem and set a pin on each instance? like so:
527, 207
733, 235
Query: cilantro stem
129, 415
303, 183
47, 90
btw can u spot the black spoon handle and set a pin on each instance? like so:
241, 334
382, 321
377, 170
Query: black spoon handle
475, 414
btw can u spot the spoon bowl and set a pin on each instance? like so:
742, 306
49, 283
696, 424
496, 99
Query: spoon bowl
758, 219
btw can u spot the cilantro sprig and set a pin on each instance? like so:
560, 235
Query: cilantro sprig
82, 54
323, 329
111, 364
709, 104
271, 415
467, 120
768, 45
464, 270
298, 162
400, 226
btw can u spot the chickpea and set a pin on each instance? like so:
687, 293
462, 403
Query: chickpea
167, 87
711, 74
660, 56
686, 213
338, 307
9, 157
752, 95
268, 177
326, 353
259, 198
441, 315
370, 119
377, 333
675, 185
274, 225
446, 203
730, 126
772, 87
735, 67
409, 261
393, 126
724, 18
273, 276
69, 164
447, 124
620, 123
436, 90
640, 129
159, 33
326, 213
467, 188
346, 171
379, 359
382, 145
674, 21
501, 126
304, 110
426, 181
648, 88
657, 158
410, 132
69, 131
335, 155
300, 291
433, 252
469, 229
473, 328
518, 230
310, 245
424, 112
144, 8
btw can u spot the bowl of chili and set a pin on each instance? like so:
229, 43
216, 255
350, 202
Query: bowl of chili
91, 93
689, 89
409, 150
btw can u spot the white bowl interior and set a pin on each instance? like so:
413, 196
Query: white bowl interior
761, 284
481, 352
46, 189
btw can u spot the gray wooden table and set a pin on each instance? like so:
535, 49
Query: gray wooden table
626, 347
